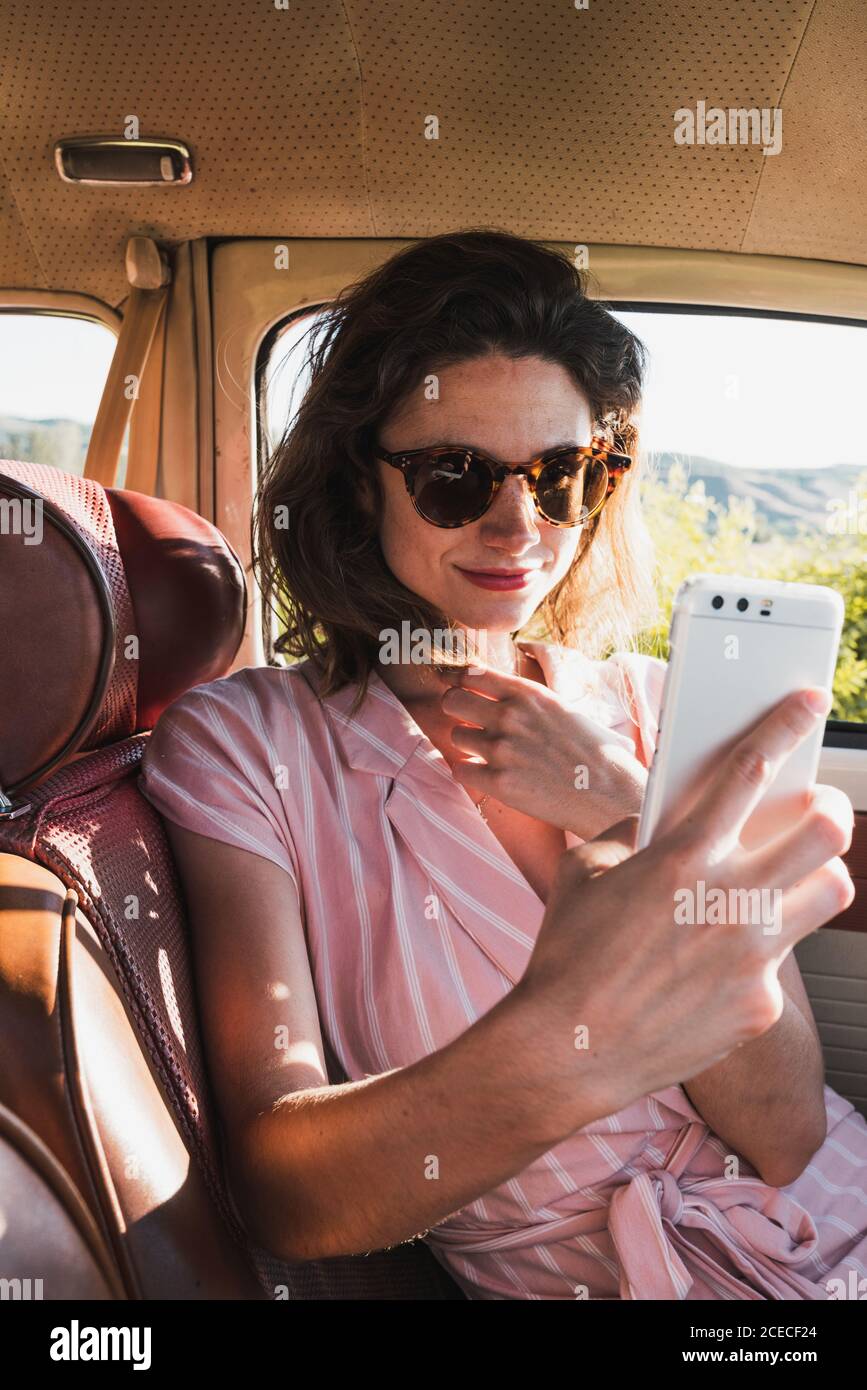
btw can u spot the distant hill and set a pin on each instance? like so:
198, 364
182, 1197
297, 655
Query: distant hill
59, 443
782, 496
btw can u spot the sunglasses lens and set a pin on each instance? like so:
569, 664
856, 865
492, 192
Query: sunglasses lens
452, 489
571, 488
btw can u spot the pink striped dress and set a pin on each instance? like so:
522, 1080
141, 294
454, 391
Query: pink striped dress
418, 922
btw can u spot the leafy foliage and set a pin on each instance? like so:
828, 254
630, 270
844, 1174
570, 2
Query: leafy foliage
696, 534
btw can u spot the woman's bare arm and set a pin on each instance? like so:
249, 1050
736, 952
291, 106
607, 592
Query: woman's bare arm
319, 1170
766, 1099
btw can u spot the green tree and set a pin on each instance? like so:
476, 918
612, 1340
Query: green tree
695, 534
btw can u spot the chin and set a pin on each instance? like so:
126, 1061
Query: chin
499, 614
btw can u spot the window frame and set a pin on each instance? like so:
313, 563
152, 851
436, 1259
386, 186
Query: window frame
260, 417
260, 374
839, 733
52, 305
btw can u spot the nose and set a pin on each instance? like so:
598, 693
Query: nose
511, 522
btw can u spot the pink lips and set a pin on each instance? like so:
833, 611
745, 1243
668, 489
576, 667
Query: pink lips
498, 579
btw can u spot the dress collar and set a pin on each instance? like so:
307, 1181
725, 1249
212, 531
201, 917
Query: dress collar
437, 820
382, 736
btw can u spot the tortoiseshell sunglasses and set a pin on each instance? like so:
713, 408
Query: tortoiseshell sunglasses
453, 486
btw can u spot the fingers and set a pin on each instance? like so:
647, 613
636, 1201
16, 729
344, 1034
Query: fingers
612, 847
621, 837
745, 774
813, 902
486, 709
486, 715
596, 856
624, 833
477, 776
472, 740
822, 833
497, 684
468, 706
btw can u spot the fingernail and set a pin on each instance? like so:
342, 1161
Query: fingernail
817, 700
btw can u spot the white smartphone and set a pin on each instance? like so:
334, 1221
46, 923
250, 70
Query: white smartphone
738, 647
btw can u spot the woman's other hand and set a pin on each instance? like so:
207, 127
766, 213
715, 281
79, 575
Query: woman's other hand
540, 756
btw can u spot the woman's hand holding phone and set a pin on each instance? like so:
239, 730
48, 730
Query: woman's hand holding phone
629, 999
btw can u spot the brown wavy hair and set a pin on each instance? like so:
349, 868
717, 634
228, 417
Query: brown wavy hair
441, 301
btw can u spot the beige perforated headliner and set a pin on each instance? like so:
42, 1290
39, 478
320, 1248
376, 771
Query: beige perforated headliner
554, 122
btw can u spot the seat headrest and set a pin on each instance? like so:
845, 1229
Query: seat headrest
112, 605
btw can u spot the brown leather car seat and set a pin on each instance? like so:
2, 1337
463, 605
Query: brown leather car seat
112, 605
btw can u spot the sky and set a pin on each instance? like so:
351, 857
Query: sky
750, 392
52, 367
754, 392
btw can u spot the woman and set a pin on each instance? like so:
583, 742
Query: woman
383, 846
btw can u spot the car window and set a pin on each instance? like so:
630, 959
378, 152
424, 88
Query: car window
753, 468
284, 375
53, 369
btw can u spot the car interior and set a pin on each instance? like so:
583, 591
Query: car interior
187, 187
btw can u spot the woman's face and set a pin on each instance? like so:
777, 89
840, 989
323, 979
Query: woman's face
511, 410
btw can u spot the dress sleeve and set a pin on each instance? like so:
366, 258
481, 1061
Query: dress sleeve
209, 768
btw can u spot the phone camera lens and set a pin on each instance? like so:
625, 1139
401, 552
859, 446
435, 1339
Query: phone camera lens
743, 605
717, 601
